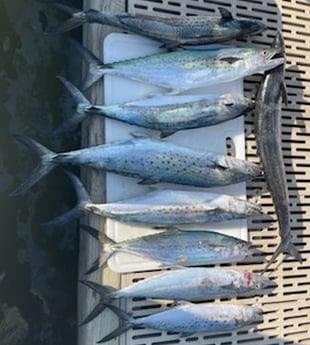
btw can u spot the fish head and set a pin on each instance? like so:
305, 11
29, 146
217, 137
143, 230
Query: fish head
249, 27
240, 103
260, 282
253, 315
266, 59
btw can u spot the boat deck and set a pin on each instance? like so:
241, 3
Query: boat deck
287, 309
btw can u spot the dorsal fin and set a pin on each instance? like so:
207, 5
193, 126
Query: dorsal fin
225, 14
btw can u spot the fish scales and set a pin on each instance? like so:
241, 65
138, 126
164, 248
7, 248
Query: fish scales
189, 319
182, 70
268, 133
187, 284
166, 114
187, 69
195, 318
148, 159
184, 247
173, 207
161, 207
155, 161
172, 31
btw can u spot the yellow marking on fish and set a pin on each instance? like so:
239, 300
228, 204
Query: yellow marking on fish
182, 258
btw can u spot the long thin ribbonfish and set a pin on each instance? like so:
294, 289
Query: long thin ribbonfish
165, 114
162, 207
148, 159
188, 318
172, 31
186, 284
175, 247
268, 134
182, 70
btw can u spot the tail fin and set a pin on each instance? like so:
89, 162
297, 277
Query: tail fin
77, 19
81, 104
107, 249
79, 210
284, 248
43, 168
96, 67
104, 302
122, 328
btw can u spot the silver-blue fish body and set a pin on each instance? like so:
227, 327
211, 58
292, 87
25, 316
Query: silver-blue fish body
188, 69
177, 207
177, 112
195, 283
185, 248
191, 318
159, 161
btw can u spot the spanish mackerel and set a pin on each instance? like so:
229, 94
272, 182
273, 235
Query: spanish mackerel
187, 284
172, 31
268, 134
175, 247
151, 160
162, 207
189, 318
182, 70
165, 114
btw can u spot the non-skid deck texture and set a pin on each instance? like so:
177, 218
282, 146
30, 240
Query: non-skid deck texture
287, 308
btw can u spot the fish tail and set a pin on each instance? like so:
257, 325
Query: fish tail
81, 103
79, 210
127, 324
104, 301
283, 247
107, 248
47, 163
96, 67
77, 18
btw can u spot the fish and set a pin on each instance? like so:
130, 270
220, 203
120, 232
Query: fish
162, 207
152, 160
268, 137
185, 284
183, 70
175, 247
190, 318
165, 114
171, 31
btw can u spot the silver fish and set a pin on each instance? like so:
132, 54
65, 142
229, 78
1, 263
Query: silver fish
188, 318
182, 70
187, 284
268, 135
149, 159
165, 114
172, 31
162, 207
175, 247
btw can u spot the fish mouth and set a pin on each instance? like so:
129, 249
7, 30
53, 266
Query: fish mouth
274, 52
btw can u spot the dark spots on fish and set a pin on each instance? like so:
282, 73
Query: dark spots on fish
206, 283
229, 59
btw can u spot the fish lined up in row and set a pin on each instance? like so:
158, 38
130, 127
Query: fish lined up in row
183, 70
268, 136
151, 160
165, 114
162, 207
189, 318
184, 284
175, 247
171, 31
